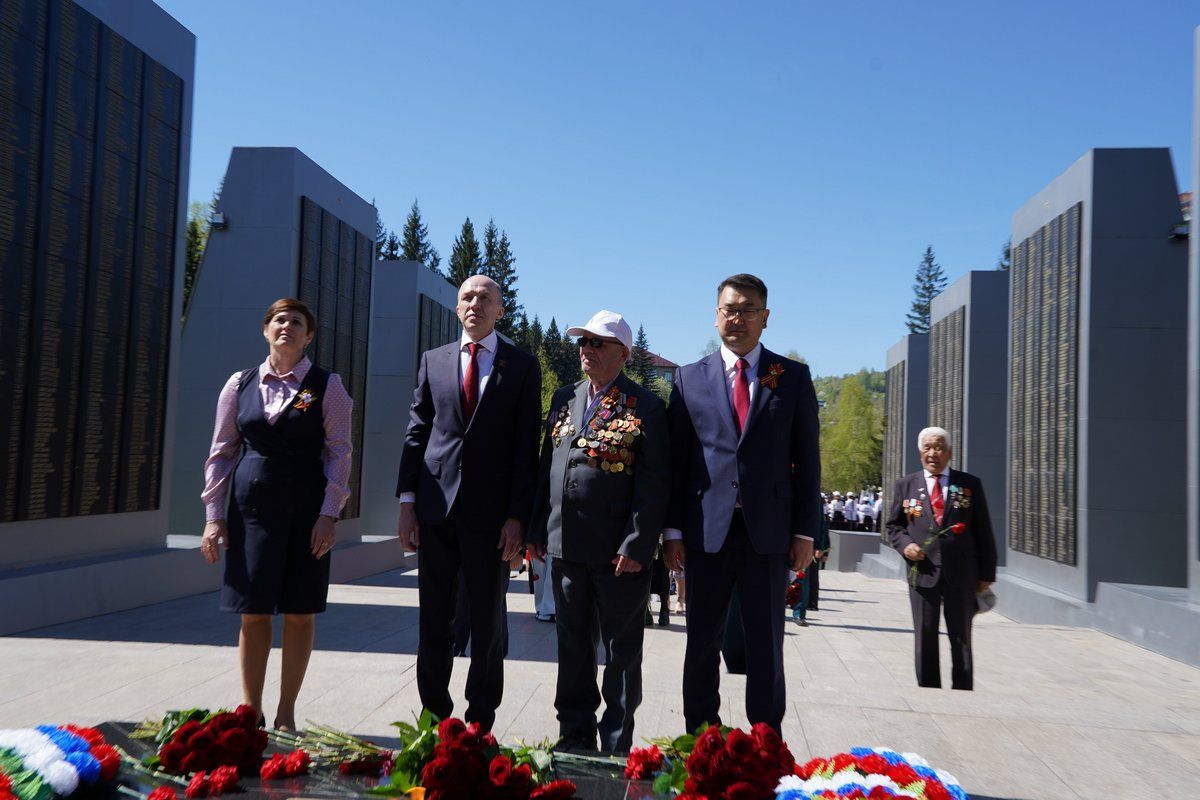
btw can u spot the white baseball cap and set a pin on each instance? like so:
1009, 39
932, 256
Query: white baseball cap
608, 324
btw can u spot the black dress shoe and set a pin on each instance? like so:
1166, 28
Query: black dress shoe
664, 619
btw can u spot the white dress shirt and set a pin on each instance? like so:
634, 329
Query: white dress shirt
850, 511
485, 358
943, 479
730, 359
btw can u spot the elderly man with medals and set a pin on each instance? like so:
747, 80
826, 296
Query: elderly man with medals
599, 509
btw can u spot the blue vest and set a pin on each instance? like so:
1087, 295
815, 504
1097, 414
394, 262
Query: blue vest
281, 471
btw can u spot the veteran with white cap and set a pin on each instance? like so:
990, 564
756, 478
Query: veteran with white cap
599, 508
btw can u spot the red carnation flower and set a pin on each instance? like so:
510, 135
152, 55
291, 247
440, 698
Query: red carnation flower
198, 786
903, 774
874, 763
183, 734
489, 740
5, 784
273, 768
451, 729
643, 762
879, 793
195, 761
500, 770
698, 766
222, 779
260, 741
234, 740
743, 791
843, 760
555, 790
815, 765
855, 794
223, 722
163, 793
110, 761
740, 745
247, 715
710, 742
171, 755
202, 739
766, 736
297, 763
958, 527
934, 790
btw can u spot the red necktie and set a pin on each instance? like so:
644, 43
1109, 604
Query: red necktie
471, 382
939, 505
741, 394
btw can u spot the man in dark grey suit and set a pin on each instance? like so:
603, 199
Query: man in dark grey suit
467, 475
745, 500
599, 509
955, 567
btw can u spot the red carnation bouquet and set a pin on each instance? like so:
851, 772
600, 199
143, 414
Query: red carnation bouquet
718, 763
196, 741
467, 764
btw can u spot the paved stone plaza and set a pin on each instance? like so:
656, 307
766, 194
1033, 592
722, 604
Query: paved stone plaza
1057, 712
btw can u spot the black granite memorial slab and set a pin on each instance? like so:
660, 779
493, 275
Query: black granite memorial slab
120, 125
25, 17
71, 163
157, 256
16, 278
345, 315
18, 209
310, 262
59, 292
14, 346
110, 301
22, 70
74, 101
329, 273
164, 93
342, 357
309, 293
125, 63
162, 149
67, 226
78, 36
362, 321
158, 210
20, 139
95, 486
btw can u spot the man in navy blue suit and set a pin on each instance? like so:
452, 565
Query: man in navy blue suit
467, 476
745, 501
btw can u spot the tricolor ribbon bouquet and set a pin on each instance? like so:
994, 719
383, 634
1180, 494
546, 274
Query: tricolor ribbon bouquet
867, 773
49, 762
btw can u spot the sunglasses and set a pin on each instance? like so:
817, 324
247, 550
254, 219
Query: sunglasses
592, 341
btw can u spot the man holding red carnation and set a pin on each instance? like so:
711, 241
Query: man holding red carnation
925, 504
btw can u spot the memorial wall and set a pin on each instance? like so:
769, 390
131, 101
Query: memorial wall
906, 407
947, 338
1044, 395
91, 131
335, 283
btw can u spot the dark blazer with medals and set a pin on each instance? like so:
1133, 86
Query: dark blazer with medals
962, 559
603, 486
488, 465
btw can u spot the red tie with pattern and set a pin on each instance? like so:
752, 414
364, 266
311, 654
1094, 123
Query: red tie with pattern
939, 505
471, 382
741, 394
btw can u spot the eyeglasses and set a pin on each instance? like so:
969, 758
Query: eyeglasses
745, 313
592, 341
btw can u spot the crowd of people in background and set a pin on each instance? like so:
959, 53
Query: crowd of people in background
854, 511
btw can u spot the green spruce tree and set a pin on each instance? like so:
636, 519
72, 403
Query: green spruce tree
465, 258
414, 244
640, 366
536, 335
196, 239
930, 281
391, 248
504, 273
1005, 260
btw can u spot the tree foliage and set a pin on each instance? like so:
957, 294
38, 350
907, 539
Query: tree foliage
851, 438
414, 242
929, 282
465, 258
640, 366
1005, 260
196, 239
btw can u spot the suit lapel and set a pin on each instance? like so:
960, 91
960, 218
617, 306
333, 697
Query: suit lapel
764, 392
499, 365
714, 369
453, 384
579, 406
922, 488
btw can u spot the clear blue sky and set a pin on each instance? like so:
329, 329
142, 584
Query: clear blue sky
638, 152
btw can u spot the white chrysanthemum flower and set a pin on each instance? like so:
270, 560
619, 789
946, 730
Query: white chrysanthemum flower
946, 778
62, 777
873, 780
914, 759
790, 782
817, 783
40, 759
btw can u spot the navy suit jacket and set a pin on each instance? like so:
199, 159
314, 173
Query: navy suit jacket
489, 465
962, 559
775, 464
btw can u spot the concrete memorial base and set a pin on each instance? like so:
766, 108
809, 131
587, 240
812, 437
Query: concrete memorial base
848, 548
